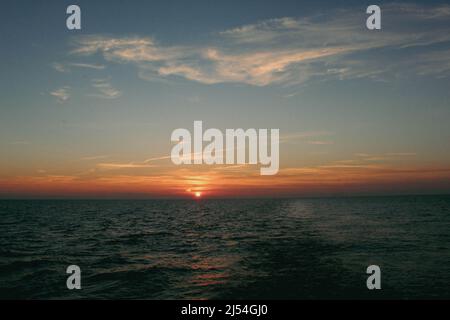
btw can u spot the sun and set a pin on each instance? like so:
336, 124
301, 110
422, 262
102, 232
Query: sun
198, 194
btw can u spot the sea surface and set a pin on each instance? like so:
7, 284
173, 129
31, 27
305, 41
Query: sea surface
226, 249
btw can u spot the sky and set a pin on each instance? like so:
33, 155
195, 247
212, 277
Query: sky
89, 113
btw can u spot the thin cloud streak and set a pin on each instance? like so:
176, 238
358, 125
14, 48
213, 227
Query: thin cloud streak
67, 67
105, 89
61, 94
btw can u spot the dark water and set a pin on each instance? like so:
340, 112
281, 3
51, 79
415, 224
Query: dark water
213, 249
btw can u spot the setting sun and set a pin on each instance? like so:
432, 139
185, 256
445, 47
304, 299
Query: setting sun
198, 194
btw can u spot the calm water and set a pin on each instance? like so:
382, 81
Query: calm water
213, 249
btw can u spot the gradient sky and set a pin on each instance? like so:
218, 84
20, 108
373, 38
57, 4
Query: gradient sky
89, 113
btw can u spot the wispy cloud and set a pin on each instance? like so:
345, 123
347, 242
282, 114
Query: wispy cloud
90, 158
61, 94
312, 137
319, 142
289, 50
66, 67
88, 66
105, 89
60, 67
19, 142
402, 154
383, 157
130, 165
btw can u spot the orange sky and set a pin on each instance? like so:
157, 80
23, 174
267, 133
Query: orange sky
232, 181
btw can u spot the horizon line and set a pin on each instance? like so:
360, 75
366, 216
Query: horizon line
224, 198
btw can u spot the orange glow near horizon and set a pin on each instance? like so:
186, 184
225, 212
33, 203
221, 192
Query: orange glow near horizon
229, 181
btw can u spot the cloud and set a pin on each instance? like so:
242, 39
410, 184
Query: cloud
61, 94
383, 157
20, 142
131, 165
388, 154
66, 67
291, 51
401, 154
104, 89
434, 63
301, 136
89, 158
319, 142
88, 66
127, 49
207, 65
59, 67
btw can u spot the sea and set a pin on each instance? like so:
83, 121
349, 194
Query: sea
317, 248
